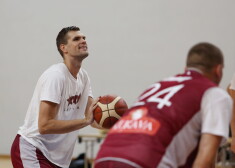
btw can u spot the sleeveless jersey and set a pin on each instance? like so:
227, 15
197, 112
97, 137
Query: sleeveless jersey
163, 123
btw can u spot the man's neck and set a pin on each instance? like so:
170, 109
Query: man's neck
194, 69
73, 66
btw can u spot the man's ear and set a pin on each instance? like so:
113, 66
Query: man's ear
63, 48
218, 72
228, 89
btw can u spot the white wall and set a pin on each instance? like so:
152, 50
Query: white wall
132, 44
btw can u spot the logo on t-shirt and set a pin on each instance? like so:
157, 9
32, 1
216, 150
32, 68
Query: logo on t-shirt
137, 121
72, 102
73, 99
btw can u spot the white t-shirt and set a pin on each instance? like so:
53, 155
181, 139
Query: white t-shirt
214, 116
216, 108
232, 83
57, 85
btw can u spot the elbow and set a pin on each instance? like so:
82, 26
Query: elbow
42, 129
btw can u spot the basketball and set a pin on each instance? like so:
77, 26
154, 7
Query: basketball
110, 108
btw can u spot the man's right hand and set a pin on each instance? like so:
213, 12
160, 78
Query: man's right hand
91, 105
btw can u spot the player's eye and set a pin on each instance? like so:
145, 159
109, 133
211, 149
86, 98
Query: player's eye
79, 38
76, 38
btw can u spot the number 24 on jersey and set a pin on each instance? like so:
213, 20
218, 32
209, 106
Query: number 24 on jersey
154, 93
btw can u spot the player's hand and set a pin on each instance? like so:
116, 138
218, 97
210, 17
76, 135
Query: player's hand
92, 104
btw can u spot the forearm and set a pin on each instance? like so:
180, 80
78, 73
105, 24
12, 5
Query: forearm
207, 151
232, 124
62, 126
205, 164
48, 124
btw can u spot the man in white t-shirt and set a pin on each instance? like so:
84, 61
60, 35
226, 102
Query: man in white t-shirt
231, 91
62, 104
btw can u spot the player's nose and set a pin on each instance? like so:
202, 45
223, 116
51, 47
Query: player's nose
83, 40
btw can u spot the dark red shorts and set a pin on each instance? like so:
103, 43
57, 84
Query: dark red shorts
25, 155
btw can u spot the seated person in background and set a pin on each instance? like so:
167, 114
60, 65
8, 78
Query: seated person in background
177, 122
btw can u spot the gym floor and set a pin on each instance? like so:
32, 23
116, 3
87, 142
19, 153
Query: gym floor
5, 162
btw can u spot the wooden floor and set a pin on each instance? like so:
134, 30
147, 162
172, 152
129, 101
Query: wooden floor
5, 162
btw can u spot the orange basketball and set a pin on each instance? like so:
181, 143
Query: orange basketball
110, 108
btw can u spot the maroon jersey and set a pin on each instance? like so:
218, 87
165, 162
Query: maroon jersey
164, 123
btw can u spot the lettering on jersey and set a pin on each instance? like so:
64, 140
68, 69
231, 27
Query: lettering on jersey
136, 121
72, 102
161, 96
168, 93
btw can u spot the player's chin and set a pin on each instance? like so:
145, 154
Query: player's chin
84, 55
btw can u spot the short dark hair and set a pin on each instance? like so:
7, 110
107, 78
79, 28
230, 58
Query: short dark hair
62, 37
204, 56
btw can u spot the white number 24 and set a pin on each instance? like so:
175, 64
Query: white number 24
164, 101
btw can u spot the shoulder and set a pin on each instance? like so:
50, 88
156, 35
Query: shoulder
216, 94
216, 110
216, 91
56, 71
